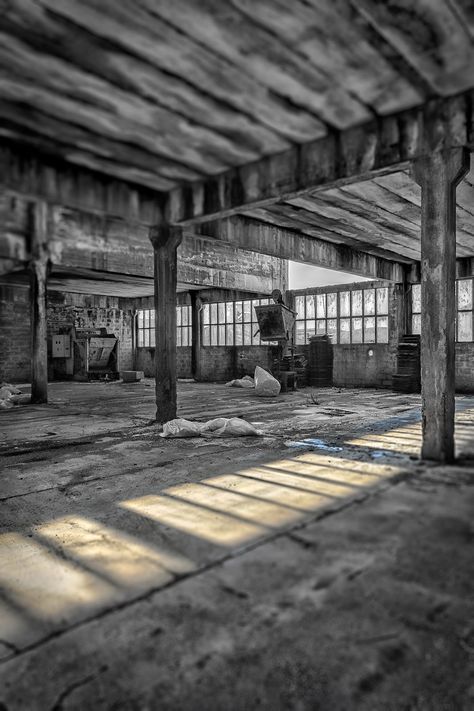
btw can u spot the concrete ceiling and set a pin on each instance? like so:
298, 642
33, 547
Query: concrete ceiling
164, 94
160, 93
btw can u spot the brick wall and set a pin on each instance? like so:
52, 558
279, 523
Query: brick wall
465, 367
15, 342
145, 357
87, 311
222, 363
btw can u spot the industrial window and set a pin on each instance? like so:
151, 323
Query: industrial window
146, 327
231, 323
358, 316
464, 311
183, 326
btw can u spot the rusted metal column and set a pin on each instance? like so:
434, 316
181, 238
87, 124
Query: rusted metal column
438, 172
38, 269
165, 240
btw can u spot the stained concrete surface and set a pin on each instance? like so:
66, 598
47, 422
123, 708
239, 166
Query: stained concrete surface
321, 566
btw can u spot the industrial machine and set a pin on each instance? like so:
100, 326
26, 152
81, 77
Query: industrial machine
276, 322
96, 354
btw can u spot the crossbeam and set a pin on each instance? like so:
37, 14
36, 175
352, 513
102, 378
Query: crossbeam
252, 235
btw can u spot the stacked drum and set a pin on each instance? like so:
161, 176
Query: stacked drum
320, 361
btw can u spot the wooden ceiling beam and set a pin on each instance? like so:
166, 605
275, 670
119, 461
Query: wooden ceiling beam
246, 233
61, 183
374, 148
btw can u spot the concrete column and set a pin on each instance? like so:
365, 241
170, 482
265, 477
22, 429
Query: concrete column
165, 240
438, 172
196, 305
38, 268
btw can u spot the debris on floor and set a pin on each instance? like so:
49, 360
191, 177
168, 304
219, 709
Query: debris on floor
312, 444
246, 382
9, 396
265, 384
218, 427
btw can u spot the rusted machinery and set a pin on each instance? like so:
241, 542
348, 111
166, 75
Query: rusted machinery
96, 354
276, 322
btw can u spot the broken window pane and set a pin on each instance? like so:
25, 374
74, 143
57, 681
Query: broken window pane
299, 306
321, 305
299, 335
332, 329
416, 299
382, 301
369, 302
238, 334
332, 305
230, 312
310, 329
247, 307
206, 335
369, 330
345, 330
356, 330
321, 327
357, 303
416, 323
345, 303
238, 312
465, 326
465, 294
382, 329
221, 312
310, 306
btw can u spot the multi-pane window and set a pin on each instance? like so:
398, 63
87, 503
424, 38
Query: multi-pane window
357, 316
464, 309
146, 327
231, 323
183, 326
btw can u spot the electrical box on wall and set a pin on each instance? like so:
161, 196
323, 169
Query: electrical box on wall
61, 346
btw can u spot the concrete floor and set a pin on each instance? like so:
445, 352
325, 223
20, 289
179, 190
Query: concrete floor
321, 566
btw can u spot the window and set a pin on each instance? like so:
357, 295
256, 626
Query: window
464, 310
231, 323
146, 327
357, 316
183, 326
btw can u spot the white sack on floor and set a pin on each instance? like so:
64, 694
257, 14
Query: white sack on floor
265, 384
246, 382
181, 428
219, 427
233, 427
9, 396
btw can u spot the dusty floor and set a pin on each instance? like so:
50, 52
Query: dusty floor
321, 566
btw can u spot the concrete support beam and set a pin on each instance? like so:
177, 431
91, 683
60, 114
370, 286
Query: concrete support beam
438, 173
38, 269
379, 146
165, 241
249, 234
